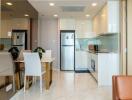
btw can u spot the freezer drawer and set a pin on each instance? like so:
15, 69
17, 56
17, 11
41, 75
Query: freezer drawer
67, 57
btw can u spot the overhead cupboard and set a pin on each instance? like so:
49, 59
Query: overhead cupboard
82, 27
107, 20
7, 25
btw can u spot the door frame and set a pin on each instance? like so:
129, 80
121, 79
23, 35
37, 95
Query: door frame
60, 48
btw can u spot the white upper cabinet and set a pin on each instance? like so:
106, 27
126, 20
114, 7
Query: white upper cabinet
82, 27
67, 24
107, 20
113, 16
100, 21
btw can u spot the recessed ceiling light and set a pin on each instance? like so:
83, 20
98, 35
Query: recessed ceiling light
51, 4
9, 3
87, 15
103, 15
94, 4
55, 15
26, 15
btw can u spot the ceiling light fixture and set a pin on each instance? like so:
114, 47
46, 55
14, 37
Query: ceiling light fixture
103, 15
26, 15
94, 4
9, 3
51, 4
55, 15
87, 15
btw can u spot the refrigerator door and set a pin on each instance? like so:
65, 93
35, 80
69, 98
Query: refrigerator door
67, 38
67, 57
18, 38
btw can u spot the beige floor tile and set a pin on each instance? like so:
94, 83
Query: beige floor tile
67, 86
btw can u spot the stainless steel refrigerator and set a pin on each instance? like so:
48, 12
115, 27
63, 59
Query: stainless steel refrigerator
67, 56
19, 39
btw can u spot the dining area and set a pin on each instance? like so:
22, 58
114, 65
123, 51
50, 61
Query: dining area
23, 71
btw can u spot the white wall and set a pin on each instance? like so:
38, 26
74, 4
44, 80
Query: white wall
129, 36
49, 38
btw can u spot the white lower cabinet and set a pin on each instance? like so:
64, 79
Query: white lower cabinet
81, 60
107, 67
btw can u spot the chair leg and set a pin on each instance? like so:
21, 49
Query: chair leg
24, 83
41, 87
14, 83
34, 79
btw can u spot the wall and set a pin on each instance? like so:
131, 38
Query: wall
34, 31
129, 36
49, 37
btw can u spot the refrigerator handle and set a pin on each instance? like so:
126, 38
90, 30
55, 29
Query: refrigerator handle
72, 36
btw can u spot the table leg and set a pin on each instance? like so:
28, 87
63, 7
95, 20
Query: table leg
50, 73
47, 75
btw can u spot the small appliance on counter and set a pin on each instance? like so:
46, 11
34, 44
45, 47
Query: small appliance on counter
93, 48
1, 46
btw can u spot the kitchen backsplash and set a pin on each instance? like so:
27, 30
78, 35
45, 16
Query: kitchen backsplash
106, 42
109, 42
6, 42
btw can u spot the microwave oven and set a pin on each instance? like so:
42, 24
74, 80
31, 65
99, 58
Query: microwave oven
93, 48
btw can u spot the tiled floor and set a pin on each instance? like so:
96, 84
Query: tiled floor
67, 86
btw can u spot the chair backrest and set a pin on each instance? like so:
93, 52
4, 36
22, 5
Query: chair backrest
6, 64
122, 87
32, 64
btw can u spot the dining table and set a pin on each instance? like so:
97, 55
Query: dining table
46, 63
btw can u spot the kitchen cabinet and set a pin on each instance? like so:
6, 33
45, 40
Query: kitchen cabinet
107, 67
67, 24
107, 20
7, 25
100, 21
83, 28
20, 23
81, 60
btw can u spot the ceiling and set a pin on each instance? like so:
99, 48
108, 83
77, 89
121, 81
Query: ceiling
67, 8
18, 9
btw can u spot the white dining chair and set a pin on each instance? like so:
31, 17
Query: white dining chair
7, 67
33, 67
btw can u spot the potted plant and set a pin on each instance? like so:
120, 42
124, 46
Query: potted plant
14, 52
40, 51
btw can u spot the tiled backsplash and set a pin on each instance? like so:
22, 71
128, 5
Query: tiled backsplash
106, 42
6, 42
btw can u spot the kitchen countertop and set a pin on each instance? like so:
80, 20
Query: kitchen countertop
101, 51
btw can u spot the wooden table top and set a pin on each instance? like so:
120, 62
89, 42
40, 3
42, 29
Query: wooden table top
42, 60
